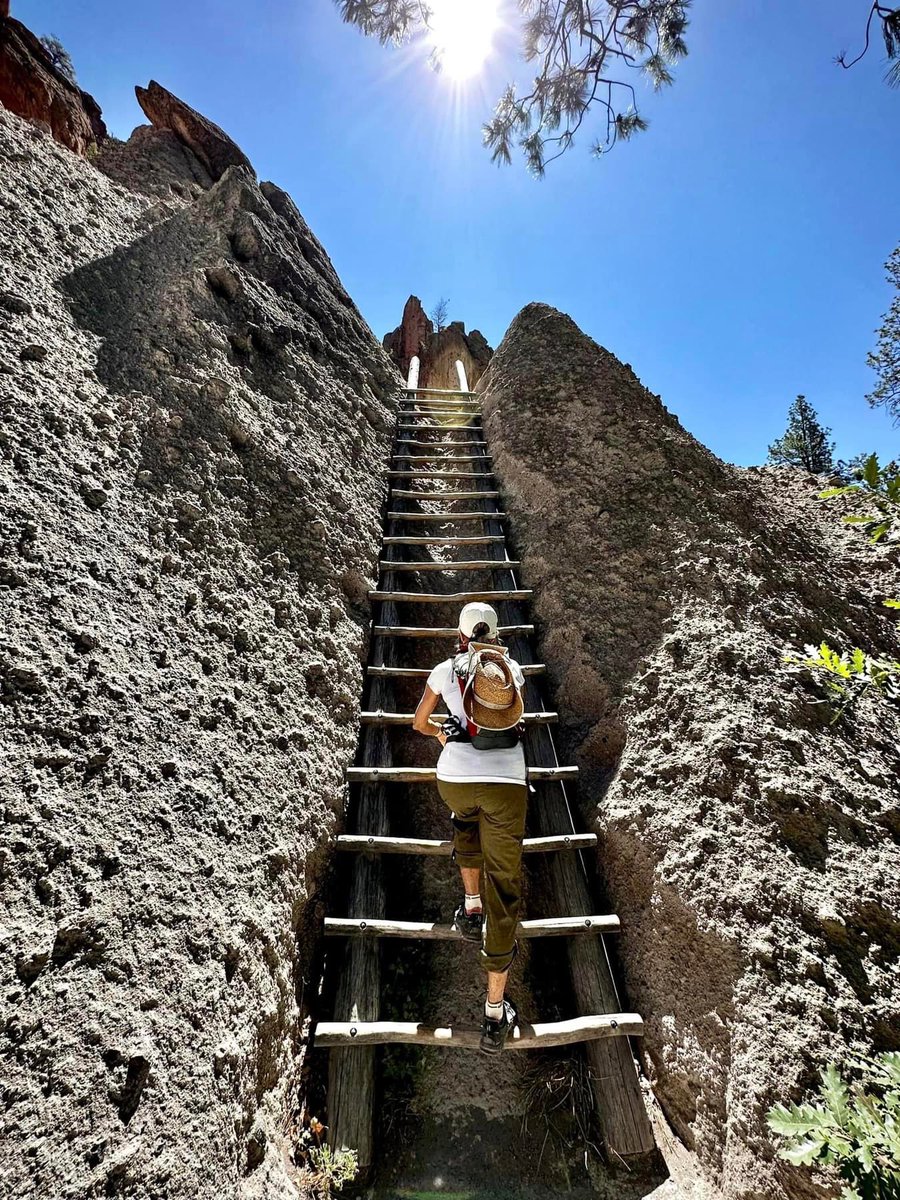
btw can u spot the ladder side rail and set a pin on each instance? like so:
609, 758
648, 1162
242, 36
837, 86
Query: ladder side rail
618, 1100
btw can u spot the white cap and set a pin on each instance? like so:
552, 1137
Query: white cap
476, 614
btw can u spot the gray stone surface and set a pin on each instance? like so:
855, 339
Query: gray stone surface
190, 491
750, 848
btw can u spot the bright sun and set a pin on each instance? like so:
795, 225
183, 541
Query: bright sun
462, 32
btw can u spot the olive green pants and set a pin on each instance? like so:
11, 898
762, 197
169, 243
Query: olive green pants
488, 827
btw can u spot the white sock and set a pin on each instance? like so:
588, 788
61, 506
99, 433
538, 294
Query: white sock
494, 1011
473, 904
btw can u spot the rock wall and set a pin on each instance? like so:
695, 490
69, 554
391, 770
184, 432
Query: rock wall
439, 351
749, 847
32, 87
195, 424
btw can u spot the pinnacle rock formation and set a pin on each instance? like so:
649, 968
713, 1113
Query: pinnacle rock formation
749, 846
210, 144
195, 421
32, 87
437, 351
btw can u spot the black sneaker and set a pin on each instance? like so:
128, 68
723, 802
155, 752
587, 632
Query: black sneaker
468, 924
495, 1033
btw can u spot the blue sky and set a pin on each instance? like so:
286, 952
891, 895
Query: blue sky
732, 254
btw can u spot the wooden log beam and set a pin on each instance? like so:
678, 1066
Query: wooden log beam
439, 391
424, 672
432, 631
437, 429
430, 458
399, 718
435, 474
361, 843
450, 597
431, 931
468, 443
446, 518
427, 774
465, 564
485, 540
398, 494
524, 1037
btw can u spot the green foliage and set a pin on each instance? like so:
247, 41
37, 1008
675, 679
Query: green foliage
326, 1170
885, 358
891, 603
585, 52
855, 1128
805, 441
890, 32
60, 57
847, 676
880, 489
332, 1169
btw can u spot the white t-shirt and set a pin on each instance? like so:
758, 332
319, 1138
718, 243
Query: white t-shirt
460, 762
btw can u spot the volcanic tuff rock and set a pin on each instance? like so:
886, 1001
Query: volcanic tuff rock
210, 144
190, 491
749, 847
31, 86
437, 352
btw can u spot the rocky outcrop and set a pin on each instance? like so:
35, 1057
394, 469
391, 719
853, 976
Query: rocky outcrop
32, 87
210, 144
438, 352
195, 423
749, 846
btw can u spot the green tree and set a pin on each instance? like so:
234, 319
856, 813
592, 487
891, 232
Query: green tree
586, 53
60, 57
805, 441
885, 358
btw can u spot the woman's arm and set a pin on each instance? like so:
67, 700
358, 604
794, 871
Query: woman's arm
421, 722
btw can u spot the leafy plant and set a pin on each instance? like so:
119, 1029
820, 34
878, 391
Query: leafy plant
847, 676
891, 603
327, 1170
332, 1169
880, 488
855, 1128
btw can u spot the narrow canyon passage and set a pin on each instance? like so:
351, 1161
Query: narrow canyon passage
450, 1119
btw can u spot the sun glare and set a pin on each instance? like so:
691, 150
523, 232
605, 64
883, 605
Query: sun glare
462, 33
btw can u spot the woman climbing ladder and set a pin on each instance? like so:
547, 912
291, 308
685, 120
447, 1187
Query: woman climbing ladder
481, 776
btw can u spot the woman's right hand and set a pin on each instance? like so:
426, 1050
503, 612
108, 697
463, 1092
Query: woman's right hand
442, 738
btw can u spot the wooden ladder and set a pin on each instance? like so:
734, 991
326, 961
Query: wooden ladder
426, 415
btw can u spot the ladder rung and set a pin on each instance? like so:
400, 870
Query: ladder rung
363, 843
447, 518
431, 413
427, 445
485, 540
451, 597
400, 494
431, 931
436, 429
432, 631
424, 672
425, 391
472, 564
430, 458
523, 1037
411, 474
398, 718
427, 774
